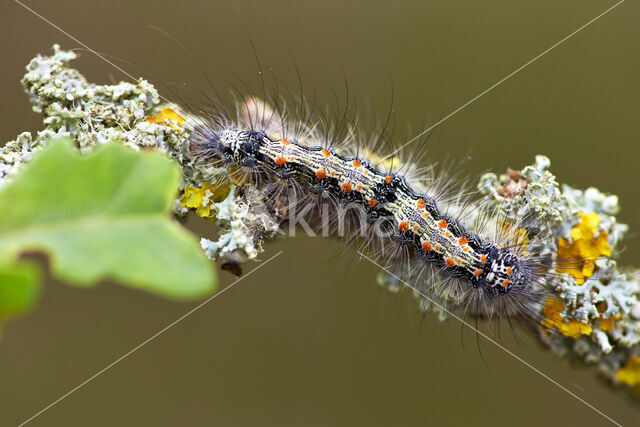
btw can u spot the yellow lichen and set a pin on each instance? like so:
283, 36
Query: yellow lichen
201, 199
513, 237
379, 161
630, 372
552, 310
577, 258
166, 116
239, 176
606, 325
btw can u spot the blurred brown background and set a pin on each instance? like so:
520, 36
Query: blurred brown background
309, 339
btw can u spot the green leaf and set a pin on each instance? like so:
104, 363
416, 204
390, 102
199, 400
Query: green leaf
104, 215
20, 288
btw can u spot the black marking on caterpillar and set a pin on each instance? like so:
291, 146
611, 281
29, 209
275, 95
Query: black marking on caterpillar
487, 276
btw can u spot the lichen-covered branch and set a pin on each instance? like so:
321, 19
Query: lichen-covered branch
596, 318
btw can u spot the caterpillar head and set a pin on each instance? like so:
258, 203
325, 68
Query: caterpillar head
231, 145
246, 145
506, 273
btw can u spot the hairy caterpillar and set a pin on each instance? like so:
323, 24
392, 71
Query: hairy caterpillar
395, 254
420, 226
260, 149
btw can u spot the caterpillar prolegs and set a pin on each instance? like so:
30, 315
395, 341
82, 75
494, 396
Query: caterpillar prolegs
392, 216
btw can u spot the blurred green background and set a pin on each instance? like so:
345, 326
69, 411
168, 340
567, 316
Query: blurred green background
309, 339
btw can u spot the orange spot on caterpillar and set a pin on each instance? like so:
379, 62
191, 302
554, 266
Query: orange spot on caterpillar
335, 159
321, 174
463, 241
466, 249
442, 223
483, 258
325, 152
356, 163
421, 204
346, 187
281, 160
284, 142
333, 173
416, 227
449, 262
447, 233
365, 172
438, 247
477, 272
403, 226
459, 261
372, 203
292, 159
505, 283
388, 179
426, 246
425, 215
359, 187
509, 271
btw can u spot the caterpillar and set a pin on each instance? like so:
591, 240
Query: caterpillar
418, 226
298, 166
291, 185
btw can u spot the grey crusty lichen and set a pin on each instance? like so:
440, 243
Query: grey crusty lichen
599, 317
93, 114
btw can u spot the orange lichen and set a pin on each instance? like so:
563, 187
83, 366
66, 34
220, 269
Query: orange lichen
606, 325
577, 258
552, 310
165, 117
